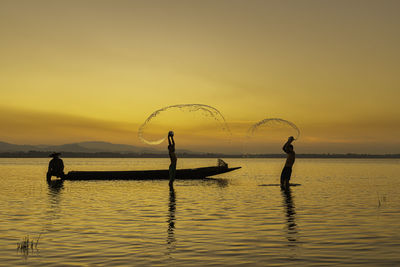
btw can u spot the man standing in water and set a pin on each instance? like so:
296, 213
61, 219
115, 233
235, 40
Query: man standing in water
172, 156
56, 167
287, 170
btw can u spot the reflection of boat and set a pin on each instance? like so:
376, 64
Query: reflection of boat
197, 173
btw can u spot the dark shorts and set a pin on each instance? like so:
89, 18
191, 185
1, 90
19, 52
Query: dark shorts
286, 173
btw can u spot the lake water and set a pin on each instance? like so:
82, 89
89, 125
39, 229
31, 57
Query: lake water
345, 212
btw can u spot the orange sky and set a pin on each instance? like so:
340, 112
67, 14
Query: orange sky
95, 70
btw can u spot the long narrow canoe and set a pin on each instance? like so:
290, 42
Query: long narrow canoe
197, 173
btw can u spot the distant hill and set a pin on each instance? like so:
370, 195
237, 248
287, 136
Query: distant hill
7, 147
82, 147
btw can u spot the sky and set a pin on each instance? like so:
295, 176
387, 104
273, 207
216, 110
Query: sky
74, 71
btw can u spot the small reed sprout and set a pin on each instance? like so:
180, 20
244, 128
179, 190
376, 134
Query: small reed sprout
27, 244
381, 200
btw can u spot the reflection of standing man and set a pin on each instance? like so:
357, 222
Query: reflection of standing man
56, 167
290, 215
171, 218
172, 156
287, 170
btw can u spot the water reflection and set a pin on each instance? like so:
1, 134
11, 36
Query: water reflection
221, 182
290, 216
55, 188
171, 220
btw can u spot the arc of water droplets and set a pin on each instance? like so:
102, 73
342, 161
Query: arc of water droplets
253, 128
209, 110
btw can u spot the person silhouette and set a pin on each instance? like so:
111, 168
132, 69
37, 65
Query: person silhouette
172, 156
56, 167
287, 169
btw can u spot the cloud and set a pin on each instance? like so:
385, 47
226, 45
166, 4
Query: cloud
31, 126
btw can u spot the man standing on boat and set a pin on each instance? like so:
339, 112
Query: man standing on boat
287, 170
172, 156
56, 167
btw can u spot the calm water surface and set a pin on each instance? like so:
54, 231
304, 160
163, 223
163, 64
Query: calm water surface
345, 212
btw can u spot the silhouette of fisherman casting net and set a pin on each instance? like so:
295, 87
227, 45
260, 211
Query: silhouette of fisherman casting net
266, 136
275, 124
206, 113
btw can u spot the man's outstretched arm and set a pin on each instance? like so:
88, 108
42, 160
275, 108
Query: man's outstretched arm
285, 146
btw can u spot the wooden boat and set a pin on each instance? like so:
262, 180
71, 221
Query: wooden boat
197, 173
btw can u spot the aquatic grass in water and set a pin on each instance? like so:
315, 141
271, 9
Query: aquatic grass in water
27, 244
381, 199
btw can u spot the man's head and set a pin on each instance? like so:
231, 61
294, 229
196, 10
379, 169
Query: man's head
54, 155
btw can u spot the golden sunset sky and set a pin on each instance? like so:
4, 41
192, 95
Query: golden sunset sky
76, 71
